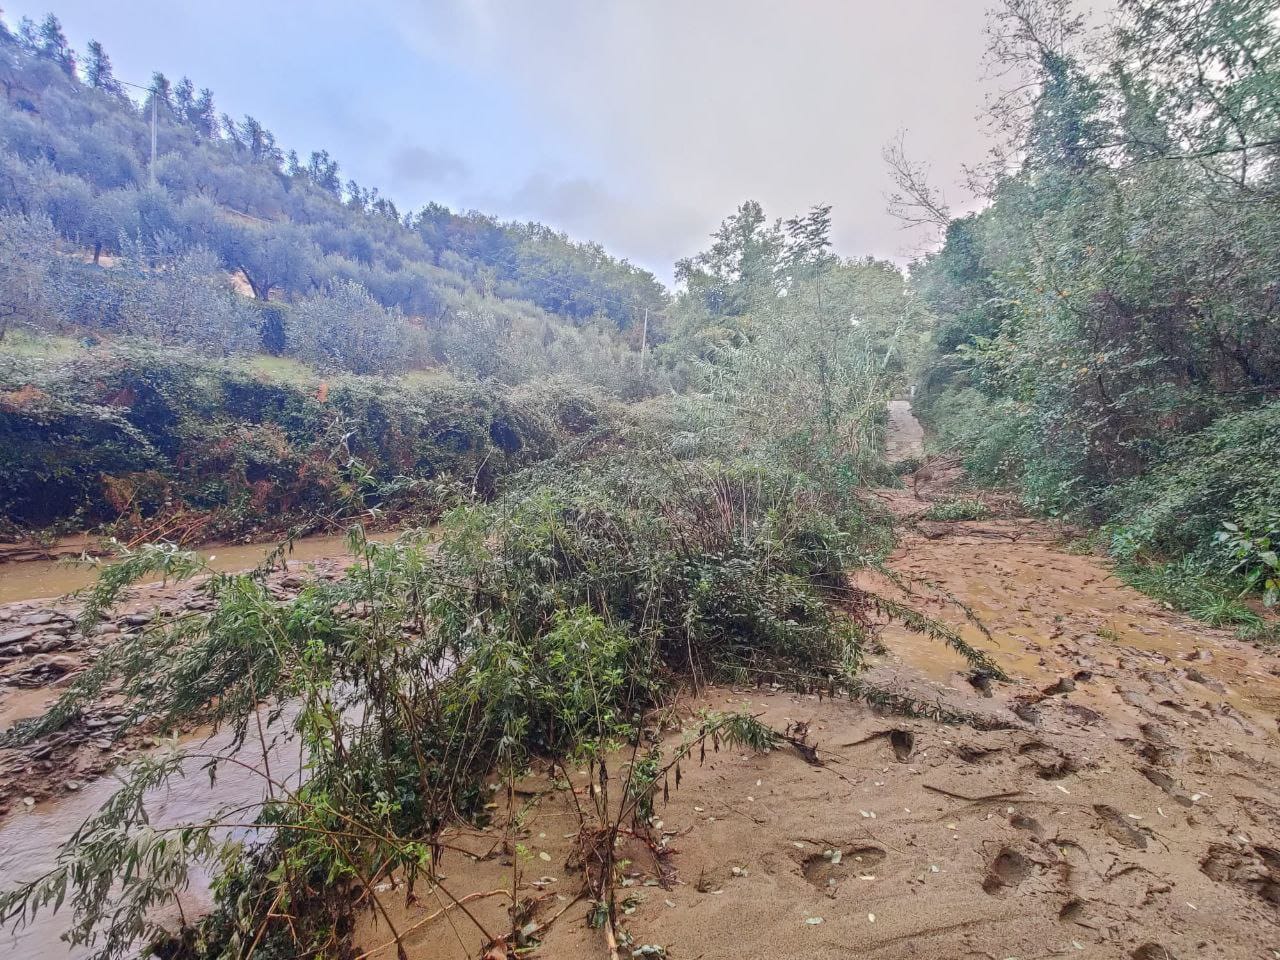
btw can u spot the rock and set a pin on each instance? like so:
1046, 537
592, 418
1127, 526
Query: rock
1064, 685
136, 619
11, 637
57, 664
41, 618
105, 629
1200, 678
980, 680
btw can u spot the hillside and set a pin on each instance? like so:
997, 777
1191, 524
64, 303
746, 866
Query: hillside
100, 238
784, 614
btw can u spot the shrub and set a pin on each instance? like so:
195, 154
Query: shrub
952, 510
1225, 472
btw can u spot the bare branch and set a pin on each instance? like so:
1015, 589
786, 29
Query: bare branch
915, 202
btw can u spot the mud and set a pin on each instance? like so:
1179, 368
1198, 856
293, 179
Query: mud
1129, 810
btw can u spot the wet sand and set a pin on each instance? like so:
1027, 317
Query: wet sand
1129, 809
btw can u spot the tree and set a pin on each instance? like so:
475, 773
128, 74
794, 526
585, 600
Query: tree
345, 328
203, 116
26, 253
184, 100
256, 140
112, 219
178, 295
159, 96
322, 171
53, 45
809, 241
1116, 297
270, 257
742, 266
98, 73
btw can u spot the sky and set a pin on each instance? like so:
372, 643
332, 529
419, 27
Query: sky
640, 124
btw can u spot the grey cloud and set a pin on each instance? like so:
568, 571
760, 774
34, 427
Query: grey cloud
416, 164
686, 109
587, 208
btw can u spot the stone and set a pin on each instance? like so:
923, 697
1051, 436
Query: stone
11, 637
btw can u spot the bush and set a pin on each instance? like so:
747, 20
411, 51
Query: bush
122, 436
953, 510
1224, 473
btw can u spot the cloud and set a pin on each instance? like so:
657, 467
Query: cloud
677, 112
417, 164
588, 208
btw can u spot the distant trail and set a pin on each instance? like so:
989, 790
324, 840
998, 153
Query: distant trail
905, 438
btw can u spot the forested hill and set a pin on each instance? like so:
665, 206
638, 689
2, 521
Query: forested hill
224, 198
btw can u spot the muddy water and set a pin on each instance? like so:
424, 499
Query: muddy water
35, 579
29, 840
30, 837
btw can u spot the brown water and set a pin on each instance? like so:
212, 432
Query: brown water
29, 840
36, 579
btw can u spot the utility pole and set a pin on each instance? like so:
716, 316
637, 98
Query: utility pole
153, 138
644, 339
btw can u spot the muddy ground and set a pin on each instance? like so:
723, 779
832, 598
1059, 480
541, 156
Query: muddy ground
1128, 809
1124, 805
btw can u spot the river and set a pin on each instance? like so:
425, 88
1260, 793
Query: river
36, 579
30, 838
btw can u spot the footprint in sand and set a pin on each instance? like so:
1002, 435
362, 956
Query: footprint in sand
826, 872
1006, 872
1119, 827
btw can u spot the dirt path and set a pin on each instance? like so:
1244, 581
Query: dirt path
905, 438
1128, 809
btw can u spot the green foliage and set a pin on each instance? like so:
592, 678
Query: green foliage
1184, 585
1224, 473
1105, 336
128, 437
958, 509
1255, 556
